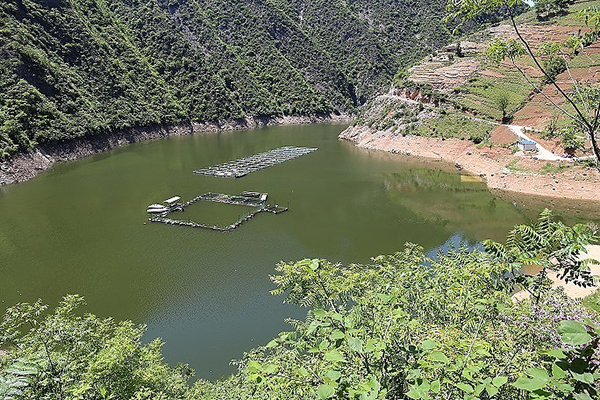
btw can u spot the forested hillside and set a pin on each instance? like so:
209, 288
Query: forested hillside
70, 68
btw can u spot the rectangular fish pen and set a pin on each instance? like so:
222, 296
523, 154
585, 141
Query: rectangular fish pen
255, 200
244, 166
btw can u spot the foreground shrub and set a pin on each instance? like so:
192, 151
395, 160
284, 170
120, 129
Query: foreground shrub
403, 326
65, 355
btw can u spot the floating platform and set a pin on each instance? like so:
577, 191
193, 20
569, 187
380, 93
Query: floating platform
168, 205
255, 200
244, 166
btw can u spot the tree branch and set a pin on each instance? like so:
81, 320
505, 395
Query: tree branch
575, 85
540, 91
553, 81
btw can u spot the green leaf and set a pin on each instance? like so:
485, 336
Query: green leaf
435, 386
499, 381
556, 353
479, 388
336, 335
419, 391
270, 369
592, 324
334, 355
384, 297
539, 379
585, 377
325, 391
558, 372
439, 357
415, 393
254, 366
370, 346
465, 387
355, 344
314, 264
375, 385
564, 387
21, 368
399, 313
333, 375
429, 344
491, 390
573, 333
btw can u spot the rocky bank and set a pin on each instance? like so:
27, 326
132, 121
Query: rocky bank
496, 166
25, 166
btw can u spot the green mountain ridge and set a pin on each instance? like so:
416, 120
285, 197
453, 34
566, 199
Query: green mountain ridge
72, 68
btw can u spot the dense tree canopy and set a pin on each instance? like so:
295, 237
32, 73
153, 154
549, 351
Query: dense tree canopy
70, 68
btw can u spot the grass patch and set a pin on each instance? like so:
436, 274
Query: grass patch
513, 167
572, 19
481, 93
550, 168
592, 301
455, 126
585, 61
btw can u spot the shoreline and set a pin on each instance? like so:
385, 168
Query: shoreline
571, 290
466, 156
26, 166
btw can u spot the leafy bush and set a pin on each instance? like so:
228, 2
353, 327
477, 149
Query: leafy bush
571, 137
65, 355
402, 326
410, 327
553, 66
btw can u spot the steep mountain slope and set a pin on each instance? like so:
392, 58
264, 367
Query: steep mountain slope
454, 105
71, 68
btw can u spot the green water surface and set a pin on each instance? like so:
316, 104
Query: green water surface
80, 228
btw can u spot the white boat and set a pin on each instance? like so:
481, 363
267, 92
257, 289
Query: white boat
157, 210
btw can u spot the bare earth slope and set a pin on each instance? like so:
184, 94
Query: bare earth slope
447, 109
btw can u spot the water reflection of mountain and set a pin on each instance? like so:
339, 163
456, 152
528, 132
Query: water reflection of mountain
463, 205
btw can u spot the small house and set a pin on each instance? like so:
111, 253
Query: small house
172, 201
527, 145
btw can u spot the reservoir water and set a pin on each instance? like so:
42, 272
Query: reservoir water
80, 228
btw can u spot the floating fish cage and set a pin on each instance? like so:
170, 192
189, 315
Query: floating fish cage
244, 166
255, 200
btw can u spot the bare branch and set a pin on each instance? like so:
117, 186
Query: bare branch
575, 83
540, 91
597, 114
582, 119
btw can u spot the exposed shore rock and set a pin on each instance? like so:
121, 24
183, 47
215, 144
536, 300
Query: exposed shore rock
25, 166
577, 183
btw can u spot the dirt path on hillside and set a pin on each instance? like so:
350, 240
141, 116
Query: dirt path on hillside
543, 153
